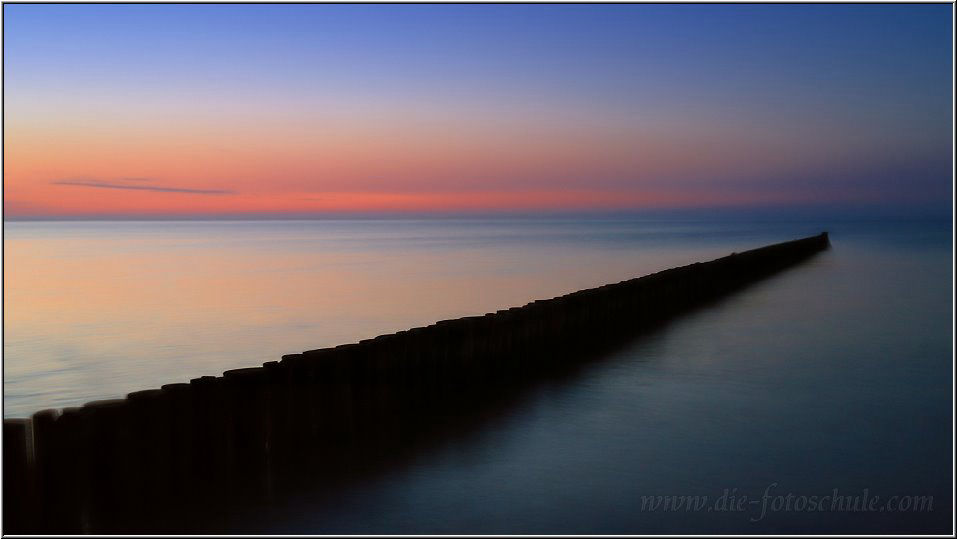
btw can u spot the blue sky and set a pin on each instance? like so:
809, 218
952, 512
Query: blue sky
851, 102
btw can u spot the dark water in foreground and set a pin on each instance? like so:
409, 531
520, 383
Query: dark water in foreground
834, 375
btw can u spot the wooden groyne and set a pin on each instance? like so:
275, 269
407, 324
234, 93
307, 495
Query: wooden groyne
114, 465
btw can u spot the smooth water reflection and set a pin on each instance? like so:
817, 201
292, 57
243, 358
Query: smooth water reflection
834, 375
99, 309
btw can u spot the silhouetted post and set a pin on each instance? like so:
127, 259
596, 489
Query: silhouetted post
210, 450
109, 458
179, 406
19, 488
245, 394
150, 455
49, 492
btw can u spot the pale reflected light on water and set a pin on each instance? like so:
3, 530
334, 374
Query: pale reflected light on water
835, 374
100, 309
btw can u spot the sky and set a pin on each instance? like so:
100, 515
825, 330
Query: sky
204, 110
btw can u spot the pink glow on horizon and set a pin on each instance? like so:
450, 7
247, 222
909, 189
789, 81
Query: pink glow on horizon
273, 166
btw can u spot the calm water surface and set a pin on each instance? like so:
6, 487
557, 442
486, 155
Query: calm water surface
834, 375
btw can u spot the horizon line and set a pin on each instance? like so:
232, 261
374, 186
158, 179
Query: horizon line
874, 211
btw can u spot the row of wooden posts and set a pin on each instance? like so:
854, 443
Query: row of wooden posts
106, 465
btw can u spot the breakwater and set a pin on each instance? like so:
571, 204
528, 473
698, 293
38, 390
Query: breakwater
324, 414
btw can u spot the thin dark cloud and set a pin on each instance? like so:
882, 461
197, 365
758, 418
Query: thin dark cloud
135, 187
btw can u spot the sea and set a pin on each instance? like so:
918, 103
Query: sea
830, 382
